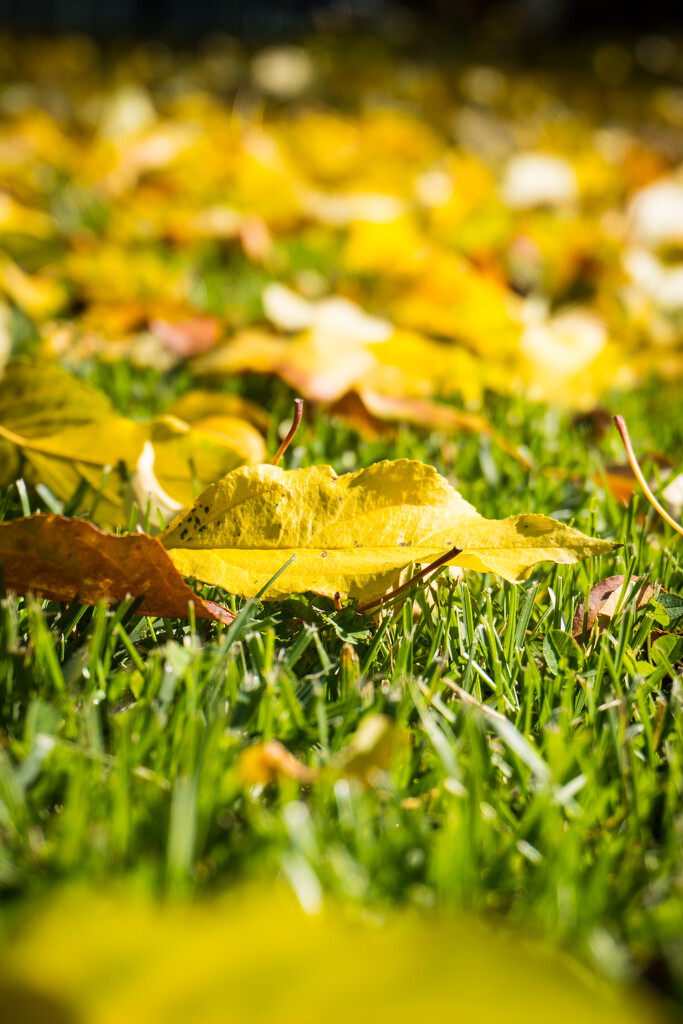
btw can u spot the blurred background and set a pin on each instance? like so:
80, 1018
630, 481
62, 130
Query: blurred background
182, 19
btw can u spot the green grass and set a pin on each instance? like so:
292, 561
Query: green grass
551, 796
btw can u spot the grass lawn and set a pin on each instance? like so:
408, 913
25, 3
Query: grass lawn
466, 752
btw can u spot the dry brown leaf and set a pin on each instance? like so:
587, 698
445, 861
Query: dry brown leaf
63, 559
603, 601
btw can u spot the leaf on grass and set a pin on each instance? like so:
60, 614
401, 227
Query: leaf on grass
603, 601
620, 481
197, 404
353, 534
190, 337
369, 751
186, 961
270, 761
371, 411
69, 433
321, 373
64, 559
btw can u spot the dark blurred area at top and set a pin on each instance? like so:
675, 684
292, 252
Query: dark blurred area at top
185, 21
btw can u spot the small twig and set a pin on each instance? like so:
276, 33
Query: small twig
467, 698
298, 413
638, 473
432, 567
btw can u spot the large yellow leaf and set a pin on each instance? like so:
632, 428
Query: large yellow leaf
246, 957
353, 534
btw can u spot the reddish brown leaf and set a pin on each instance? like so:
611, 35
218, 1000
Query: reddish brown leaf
61, 559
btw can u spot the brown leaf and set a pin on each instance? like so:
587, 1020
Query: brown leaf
190, 337
61, 559
372, 411
268, 762
602, 604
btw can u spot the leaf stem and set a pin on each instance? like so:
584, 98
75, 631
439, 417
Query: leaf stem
298, 413
432, 567
631, 456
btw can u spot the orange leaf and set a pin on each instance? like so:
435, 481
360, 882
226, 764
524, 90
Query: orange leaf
268, 762
189, 337
63, 559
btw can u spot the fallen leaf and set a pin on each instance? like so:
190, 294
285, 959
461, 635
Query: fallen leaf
187, 338
368, 409
352, 534
247, 949
39, 295
332, 320
539, 179
369, 751
620, 481
320, 370
270, 761
151, 499
68, 432
603, 601
64, 559
198, 404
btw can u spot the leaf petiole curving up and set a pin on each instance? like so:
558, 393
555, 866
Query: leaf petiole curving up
296, 423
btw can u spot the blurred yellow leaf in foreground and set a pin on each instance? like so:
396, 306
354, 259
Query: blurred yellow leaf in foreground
249, 958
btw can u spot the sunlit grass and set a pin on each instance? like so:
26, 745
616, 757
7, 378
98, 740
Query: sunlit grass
522, 775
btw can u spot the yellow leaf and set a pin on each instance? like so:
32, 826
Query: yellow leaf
353, 534
245, 957
319, 370
68, 433
370, 750
198, 404
39, 295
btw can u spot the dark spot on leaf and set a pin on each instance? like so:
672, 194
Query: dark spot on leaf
324, 554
